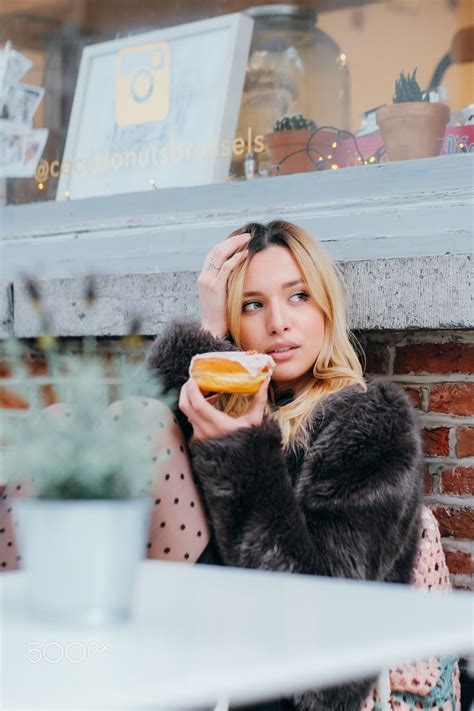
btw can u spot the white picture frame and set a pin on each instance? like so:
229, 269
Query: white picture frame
178, 88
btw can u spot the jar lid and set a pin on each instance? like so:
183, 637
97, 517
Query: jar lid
295, 11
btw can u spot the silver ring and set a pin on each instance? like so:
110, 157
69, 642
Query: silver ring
212, 264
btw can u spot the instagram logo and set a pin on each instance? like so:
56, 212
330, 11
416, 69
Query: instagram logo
142, 84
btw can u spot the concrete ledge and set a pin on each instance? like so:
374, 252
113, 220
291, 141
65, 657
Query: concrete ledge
385, 294
411, 293
404, 209
6, 309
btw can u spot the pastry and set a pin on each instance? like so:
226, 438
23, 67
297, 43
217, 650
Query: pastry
231, 371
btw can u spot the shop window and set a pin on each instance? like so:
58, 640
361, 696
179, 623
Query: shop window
106, 98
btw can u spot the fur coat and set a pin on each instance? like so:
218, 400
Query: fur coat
348, 506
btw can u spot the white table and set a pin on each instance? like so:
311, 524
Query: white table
200, 634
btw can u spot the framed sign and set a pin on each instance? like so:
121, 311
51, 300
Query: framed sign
158, 109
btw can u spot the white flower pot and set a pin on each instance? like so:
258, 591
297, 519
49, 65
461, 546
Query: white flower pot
81, 556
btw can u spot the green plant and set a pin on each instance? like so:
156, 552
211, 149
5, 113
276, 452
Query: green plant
408, 89
295, 122
89, 455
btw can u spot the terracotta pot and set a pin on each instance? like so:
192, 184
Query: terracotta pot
413, 129
283, 143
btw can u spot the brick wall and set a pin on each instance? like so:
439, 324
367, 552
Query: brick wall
434, 367
109, 350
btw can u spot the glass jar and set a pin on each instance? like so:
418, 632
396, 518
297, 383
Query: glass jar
293, 68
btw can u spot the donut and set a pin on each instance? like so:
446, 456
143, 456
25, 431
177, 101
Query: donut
231, 371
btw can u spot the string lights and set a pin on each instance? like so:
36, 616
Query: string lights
324, 162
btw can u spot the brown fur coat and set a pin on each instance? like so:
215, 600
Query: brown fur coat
347, 507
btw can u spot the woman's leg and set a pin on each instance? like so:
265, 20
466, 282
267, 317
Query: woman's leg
178, 526
9, 555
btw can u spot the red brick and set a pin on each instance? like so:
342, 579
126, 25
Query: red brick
10, 400
457, 480
436, 442
465, 442
428, 480
459, 562
377, 357
455, 522
415, 395
434, 358
48, 395
36, 366
466, 360
452, 398
5, 370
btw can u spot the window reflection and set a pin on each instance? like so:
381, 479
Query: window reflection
331, 63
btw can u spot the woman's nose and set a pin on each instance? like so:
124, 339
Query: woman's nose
278, 321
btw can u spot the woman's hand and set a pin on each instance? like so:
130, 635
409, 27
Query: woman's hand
207, 422
212, 282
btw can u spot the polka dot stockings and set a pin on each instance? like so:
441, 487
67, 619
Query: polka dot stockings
178, 528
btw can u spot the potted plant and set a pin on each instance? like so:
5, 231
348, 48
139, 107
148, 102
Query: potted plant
83, 523
297, 145
412, 127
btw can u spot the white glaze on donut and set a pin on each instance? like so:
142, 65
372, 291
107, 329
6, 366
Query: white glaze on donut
253, 363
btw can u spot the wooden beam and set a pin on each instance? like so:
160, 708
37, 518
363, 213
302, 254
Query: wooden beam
40, 8
122, 15
29, 23
143, 13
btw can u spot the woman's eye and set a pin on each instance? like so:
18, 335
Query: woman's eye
302, 294
248, 304
253, 305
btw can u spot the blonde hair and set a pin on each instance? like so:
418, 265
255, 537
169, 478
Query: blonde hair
337, 365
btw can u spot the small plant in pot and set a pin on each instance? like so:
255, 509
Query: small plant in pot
297, 145
412, 127
86, 471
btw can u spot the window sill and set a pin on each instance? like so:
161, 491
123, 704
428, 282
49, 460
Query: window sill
402, 231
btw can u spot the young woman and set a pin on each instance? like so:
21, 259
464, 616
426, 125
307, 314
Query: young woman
319, 473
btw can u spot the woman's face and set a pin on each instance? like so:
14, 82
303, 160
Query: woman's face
277, 312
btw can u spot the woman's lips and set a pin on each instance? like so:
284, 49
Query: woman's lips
278, 357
